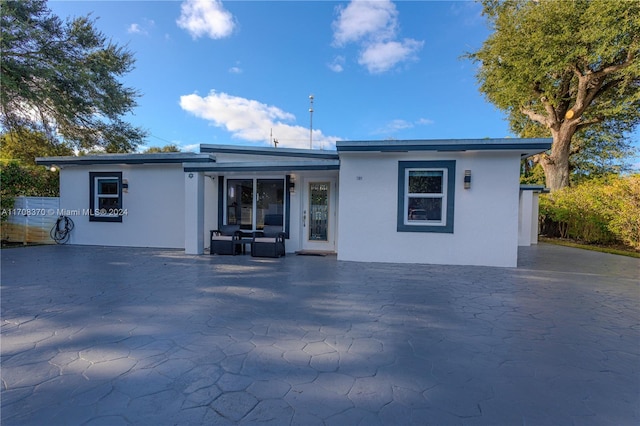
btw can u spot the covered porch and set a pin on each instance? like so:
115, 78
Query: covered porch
296, 190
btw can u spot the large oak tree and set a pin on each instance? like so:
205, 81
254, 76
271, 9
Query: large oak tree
569, 69
60, 78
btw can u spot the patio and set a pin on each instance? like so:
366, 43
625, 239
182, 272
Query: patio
128, 336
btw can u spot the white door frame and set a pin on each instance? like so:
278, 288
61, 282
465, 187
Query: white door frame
330, 243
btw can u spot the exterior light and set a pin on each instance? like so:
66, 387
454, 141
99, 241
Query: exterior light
467, 179
292, 184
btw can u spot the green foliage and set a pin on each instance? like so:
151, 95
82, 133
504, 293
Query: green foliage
25, 145
166, 148
602, 211
558, 68
29, 181
531, 173
61, 78
598, 154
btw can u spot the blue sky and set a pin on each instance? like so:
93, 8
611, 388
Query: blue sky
241, 72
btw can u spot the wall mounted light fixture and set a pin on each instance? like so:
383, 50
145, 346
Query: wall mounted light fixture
467, 179
292, 184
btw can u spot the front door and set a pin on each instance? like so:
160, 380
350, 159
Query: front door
319, 215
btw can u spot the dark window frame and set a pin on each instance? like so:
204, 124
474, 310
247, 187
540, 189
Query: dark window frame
92, 196
223, 208
449, 195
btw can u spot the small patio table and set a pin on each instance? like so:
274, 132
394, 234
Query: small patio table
243, 242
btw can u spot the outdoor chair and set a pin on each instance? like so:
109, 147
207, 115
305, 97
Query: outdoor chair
225, 240
269, 242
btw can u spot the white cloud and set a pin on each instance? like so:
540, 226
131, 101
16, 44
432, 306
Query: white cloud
206, 18
253, 121
425, 122
365, 19
398, 124
194, 147
373, 25
337, 65
235, 70
142, 29
134, 29
381, 57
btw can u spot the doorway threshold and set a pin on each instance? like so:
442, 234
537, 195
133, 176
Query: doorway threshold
315, 253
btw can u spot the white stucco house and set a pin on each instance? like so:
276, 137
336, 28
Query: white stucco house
455, 202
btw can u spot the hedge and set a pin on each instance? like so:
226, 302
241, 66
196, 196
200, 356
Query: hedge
599, 211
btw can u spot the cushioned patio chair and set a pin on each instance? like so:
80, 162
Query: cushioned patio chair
269, 242
225, 240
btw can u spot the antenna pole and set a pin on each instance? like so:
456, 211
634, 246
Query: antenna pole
310, 121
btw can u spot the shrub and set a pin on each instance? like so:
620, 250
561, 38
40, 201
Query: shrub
602, 211
28, 181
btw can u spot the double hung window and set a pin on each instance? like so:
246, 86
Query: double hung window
105, 197
426, 196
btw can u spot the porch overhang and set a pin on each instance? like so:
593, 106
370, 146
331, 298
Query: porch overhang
270, 166
269, 151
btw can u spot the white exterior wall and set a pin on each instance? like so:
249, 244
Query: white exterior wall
210, 208
154, 203
528, 218
485, 221
194, 213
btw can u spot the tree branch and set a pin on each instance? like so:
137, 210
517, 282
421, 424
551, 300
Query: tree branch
613, 68
589, 122
535, 116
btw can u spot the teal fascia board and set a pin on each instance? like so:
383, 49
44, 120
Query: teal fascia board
447, 145
263, 166
270, 151
159, 158
535, 188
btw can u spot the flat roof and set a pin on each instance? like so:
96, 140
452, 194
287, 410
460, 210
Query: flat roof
535, 188
153, 158
278, 152
528, 146
263, 166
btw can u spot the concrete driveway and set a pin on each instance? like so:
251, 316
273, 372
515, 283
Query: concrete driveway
123, 336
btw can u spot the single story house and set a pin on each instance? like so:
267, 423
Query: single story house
455, 202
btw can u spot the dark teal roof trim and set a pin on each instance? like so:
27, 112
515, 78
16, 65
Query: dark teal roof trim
158, 158
277, 152
264, 166
540, 188
527, 145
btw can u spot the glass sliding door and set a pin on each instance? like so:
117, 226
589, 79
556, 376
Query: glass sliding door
269, 202
254, 203
240, 203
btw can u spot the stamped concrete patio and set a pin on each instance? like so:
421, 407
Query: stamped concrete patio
113, 336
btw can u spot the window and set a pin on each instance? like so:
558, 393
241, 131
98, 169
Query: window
426, 192
254, 203
105, 197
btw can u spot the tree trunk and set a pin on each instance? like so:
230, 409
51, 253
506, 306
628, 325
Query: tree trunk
556, 164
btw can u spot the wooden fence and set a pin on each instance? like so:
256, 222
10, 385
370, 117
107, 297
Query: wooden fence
31, 220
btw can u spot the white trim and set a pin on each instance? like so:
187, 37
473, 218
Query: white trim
332, 220
97, 195
442, 196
